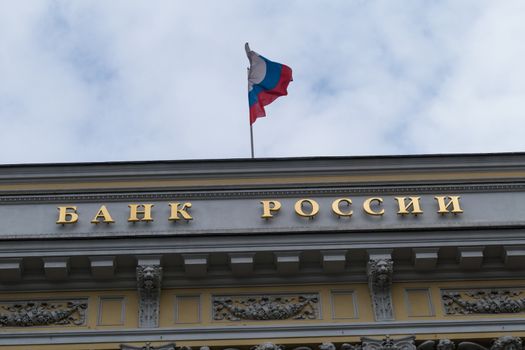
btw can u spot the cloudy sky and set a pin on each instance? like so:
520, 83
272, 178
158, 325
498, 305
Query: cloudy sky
145, 80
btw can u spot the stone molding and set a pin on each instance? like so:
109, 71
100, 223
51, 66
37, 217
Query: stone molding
336, 190
203, 335
266, 307
35, 313
149, 278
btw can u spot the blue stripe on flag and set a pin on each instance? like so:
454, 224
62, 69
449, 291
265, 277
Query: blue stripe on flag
273, 74
253, 95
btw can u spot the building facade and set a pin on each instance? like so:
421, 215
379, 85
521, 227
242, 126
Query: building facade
353, 253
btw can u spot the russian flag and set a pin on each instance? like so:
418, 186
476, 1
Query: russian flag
267, 80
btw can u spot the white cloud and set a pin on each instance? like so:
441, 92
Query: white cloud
120, 80
480, 106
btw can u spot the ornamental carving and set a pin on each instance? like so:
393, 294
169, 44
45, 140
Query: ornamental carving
42, 313
267, 346
149, 279
442, 344
201, 348
507, 343
266, 307
380, 271
502, 343
482, 301
386, 343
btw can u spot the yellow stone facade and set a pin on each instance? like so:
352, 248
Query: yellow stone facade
289, 280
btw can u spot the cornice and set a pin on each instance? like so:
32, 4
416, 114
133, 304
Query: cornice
333, 190
270, 241
499, 263
178, 280
472, 160
254, 173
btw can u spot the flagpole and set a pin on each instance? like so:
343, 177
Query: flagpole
247, 48
257, 72
251, 138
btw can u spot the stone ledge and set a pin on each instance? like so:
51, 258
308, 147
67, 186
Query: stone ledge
339, 332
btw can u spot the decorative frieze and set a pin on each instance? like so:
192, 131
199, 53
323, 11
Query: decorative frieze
506, 342
266, 307
386, 343
380, 269
335, 191
149, 279
43, 313
482, 301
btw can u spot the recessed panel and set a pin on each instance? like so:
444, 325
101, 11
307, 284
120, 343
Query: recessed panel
418, 303
111, 311
187, 309
344, 305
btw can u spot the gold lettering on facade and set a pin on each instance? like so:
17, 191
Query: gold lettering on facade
369, 202
412, 207
444, 207
182, 209
269, 208
140, 209
103, 213
314, 208
336, 207
67, 215
307, 208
